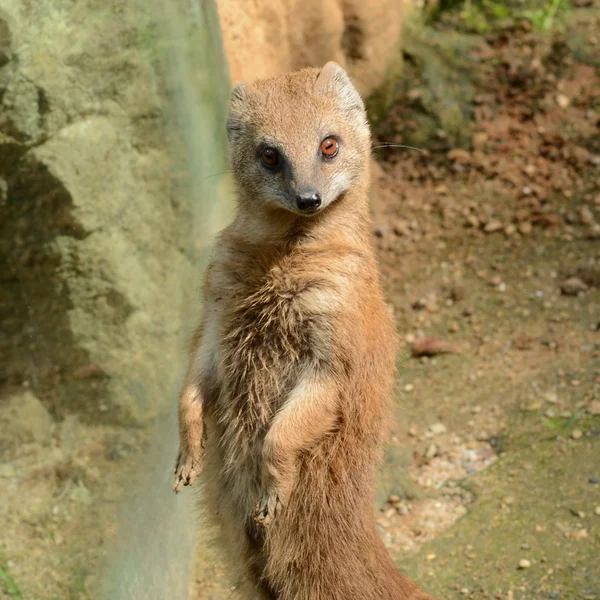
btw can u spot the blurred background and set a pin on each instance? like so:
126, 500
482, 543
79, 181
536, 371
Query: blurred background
113, 184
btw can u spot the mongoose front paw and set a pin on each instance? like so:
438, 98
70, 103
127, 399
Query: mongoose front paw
267, 509
187, 468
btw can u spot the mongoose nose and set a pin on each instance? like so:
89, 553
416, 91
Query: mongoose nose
308, 201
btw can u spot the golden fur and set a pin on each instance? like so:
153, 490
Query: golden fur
291, 369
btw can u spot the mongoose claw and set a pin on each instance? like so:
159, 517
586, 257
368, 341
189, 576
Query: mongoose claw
267, 509
187, 468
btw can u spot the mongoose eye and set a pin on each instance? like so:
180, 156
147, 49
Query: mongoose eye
269, 157
329, 147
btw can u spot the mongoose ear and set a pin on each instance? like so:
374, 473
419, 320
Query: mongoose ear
333, 79
236, 109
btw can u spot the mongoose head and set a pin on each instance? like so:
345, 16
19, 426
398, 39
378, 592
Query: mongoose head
299, 141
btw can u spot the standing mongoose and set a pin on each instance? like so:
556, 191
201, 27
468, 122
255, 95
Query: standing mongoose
284, 406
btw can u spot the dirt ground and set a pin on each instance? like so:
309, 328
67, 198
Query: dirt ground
490, 255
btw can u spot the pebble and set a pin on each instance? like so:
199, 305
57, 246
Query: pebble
432, 451
459, 155
438, 428
492, 226
401, 228
524, 564
525, 547
479, 140
525, 227
586, 216
594, 407
409, 387
577, 434
597, 511
573, 286
562, 100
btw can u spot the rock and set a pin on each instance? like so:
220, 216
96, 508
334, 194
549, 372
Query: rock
562, 100
492, 226
524, 563
577, 434
525, 227
432, 451
438, 428
80, 494
459, 155
25, 419
401, 228
586, 216
594, 407
479, 140
573, 286
597, 511
530, 170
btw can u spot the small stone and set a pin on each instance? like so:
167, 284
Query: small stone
453, 327
530, 170
409, 387
458, 155
582, 534
597, 511
464, 591
524, 564
482, 436
438, 428
26, 419
525, 228
525, 547
573, 286
430, 557
586, 216
432, 451
510, 230
562, 100
401, 228
577, 434
394, 499
412, 430
493, 226
479, 140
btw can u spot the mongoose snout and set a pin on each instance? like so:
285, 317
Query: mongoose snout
308, 201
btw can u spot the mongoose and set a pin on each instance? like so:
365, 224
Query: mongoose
284, 405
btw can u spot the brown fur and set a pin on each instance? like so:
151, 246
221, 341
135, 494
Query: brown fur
291, 370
